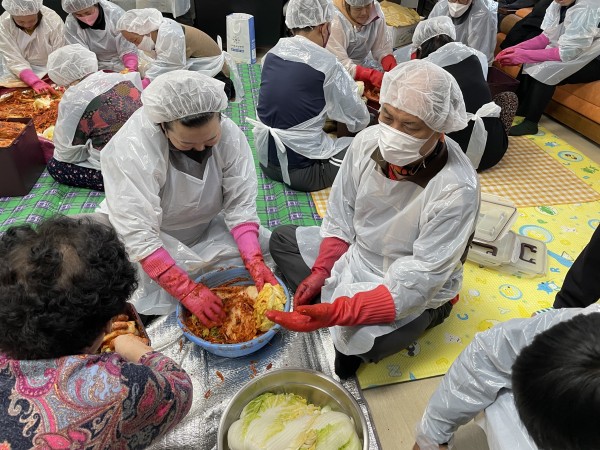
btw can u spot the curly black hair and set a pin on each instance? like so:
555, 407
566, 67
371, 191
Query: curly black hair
60, 284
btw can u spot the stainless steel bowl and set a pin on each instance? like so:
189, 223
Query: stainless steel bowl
317, 388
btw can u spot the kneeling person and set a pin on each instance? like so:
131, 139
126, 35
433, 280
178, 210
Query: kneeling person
400, 216
289, 136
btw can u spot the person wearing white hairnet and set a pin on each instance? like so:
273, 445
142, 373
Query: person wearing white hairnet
566, 52
173, 46
29, 32
476, 22
387, 260
181, 190
93, 24
485, 139
359, 29
288, 133
535, 379
93, 108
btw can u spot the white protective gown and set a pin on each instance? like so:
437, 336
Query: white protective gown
479, 29
487, 365
401, 235
169, 54
20, 51
577, 38
108, 44
351, 44
153, 201
453, 53
342, 103
72, 106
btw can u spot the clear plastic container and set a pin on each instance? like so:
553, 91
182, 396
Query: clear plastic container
496, 216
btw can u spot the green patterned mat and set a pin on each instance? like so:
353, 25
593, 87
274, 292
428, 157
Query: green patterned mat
276, 204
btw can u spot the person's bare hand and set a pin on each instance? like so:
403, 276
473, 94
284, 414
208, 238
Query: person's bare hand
131, 347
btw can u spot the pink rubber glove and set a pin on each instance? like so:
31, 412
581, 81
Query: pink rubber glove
521, 56
388, 63
364, 308
130, 61
39, 86
196, 297
539, 42
145, 82
330, 251
246, 238
375, 77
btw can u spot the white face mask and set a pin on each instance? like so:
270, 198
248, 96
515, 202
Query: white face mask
147, 44
399, 148
457, 10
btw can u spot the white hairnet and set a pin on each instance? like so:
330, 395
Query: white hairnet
22, 7
427, 91
433, 27
359, 2
140, 21
71, 63
72, 6
308, 13
182, 93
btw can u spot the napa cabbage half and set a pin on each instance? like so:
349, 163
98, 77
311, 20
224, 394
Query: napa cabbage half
288, 422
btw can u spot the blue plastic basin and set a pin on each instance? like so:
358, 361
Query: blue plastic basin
243, 278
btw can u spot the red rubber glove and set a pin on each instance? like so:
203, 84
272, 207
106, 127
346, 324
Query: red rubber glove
388, 62
521, 56
130, 61
539, 42
364, 308
197, 298
145, 82
330, 251
246, 238
32, 80
375, 77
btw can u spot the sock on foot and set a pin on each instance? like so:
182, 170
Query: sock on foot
524, 128
346, 365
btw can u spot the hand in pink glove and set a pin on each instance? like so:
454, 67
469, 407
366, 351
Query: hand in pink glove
130, 61
32, 80
145, 82
521, 56
330, 251
388, 63
196, 297
375, 77
539, 42
364, 308
246, 238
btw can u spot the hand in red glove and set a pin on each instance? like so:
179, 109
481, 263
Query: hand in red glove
196, 297
330, 251
521, 56
375, 77
246, 238
39, 86
537, 43
388, 63
364, 308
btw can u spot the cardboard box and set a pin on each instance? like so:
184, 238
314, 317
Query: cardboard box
402, 36
22, 163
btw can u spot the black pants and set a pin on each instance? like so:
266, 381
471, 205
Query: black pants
315, 177
286, 254
582, 286
534, 96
